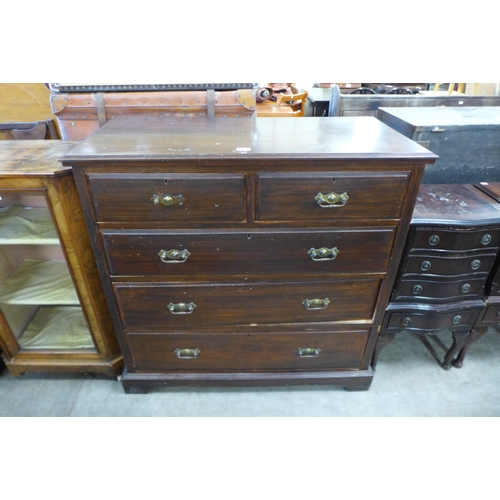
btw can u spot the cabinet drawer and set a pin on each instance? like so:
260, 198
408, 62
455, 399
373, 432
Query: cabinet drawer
431, 320
239, 252
492, 314
445, 265
247, 351
168, 197
439, 291
297, 196
153, 306
456, 239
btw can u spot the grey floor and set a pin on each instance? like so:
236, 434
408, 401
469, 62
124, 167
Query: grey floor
408, 382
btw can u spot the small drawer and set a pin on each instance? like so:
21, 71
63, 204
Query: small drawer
324, 196
455, 239
247, 351
250, 252
154, 306
449, 265
439, 291
492, 314
168, 197
431, 321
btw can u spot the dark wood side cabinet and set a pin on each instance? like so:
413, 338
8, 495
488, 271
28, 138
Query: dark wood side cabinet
53, 315
247, 251
450, 255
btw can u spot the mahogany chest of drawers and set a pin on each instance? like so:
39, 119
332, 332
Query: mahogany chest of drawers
247, 251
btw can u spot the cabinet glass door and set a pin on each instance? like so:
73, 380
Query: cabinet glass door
38, 301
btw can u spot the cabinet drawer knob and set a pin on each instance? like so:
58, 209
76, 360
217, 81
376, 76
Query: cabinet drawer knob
465, 288
456, 319
312, 304
486, 239
406, 321
173, 256
167, 199
308, 352
498, 314
417, 289
331, 200
475, 264
319, 254
434, 239
187, 353
181, 308
425, 265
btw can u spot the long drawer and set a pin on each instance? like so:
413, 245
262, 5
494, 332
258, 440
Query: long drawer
336, 195
247, 351
153, 306
239, 252
168, 197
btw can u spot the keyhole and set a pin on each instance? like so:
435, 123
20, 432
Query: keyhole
334, 180
165, 181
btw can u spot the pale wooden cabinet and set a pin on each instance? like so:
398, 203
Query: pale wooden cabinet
53, 315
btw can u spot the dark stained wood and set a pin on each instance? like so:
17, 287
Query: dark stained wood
248, 273
291, 196
450, 263
247, 252
207, 197
146, 306
249, 351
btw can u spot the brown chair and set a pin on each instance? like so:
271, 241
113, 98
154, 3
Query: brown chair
296, 101
29, 130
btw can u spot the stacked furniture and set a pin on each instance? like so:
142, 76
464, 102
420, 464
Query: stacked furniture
451, 252
53, 316
247, 251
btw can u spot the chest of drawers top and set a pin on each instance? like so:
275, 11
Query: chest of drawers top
159, 139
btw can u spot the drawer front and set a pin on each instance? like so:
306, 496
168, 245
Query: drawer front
431, 265
168, 197
439, 291
492, 315
151, 306
456, 239
431, 321
311, 196
248, 351
164, 253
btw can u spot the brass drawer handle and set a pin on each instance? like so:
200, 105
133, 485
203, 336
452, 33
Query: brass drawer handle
308, 352
175, 256
181, 308
167, 199
313, 304
331, 200
319, 254
187, 353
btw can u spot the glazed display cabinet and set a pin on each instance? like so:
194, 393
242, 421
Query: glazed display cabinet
53, 315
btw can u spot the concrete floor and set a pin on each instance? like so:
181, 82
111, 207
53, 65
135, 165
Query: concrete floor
408, 383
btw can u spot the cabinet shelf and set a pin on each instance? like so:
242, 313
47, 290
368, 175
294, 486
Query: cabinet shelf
58, 327
27, 226
39, 283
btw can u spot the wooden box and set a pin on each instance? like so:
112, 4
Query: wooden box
467, 140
